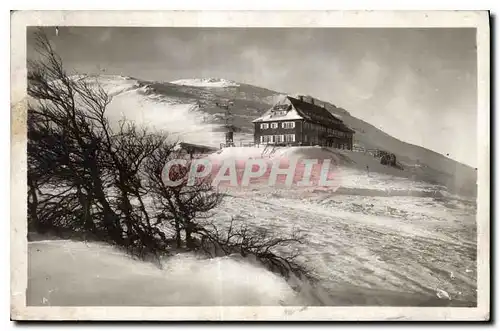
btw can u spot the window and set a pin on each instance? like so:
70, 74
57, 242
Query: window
274, 125
288, 125
279, 138
281, 109
289, 138
305, 137
266, 139
264, 126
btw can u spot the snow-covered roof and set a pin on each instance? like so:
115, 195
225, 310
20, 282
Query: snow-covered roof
270, 115
295, 109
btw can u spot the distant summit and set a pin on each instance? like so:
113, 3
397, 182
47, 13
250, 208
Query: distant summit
206, 82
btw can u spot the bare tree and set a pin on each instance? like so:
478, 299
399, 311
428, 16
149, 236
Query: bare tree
278, 253
182, 205
64, 137
83, 175
86, 176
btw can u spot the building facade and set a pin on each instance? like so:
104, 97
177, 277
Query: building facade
301, 122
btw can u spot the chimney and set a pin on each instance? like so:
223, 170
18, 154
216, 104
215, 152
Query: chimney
301, 97
312, 100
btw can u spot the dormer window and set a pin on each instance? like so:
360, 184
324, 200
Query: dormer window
280, 110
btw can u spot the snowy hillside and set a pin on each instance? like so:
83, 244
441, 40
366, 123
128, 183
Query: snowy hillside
189, 109
181, 118
206, 82
350, 169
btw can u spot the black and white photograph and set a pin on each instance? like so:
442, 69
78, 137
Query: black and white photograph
232, 169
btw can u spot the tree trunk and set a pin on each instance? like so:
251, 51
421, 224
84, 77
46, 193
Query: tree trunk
178, 234
33, 205
189, 238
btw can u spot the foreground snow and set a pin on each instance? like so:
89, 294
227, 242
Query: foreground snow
365, 250
413, 245
67, 273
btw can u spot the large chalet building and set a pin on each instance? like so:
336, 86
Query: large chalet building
301, 122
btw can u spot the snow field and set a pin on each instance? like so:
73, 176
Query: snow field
68, 273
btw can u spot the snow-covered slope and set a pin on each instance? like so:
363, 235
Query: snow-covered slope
189, 110
182, 121
350, 170
363, 247
206, 82
112, 84
67, 273
136, 101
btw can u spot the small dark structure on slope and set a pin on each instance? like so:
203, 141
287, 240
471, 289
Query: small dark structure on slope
229, 127
389, 159
194, 149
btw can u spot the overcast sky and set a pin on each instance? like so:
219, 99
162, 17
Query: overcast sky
418, 85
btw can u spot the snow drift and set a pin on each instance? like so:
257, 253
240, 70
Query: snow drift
180, 118
68, 273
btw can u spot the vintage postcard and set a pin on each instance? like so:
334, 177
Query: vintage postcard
246, 165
